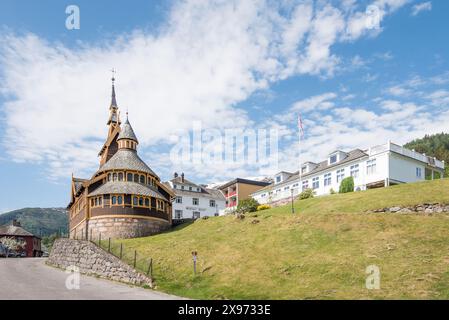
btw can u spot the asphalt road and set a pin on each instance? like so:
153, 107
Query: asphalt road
31, 278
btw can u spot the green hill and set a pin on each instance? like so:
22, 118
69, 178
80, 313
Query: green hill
436, 145
39, 221
320, 252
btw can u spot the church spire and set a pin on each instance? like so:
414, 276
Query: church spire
113, 117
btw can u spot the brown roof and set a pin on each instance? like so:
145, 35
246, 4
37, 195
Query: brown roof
10, 230
244, 181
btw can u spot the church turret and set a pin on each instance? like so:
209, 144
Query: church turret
127, 138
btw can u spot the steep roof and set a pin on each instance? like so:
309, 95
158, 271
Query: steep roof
11, 230
126, 159
127, 132
127, 187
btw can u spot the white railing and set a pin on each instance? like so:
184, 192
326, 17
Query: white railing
408, 153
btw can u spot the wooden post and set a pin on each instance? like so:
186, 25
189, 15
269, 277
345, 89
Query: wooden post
99, 240
135, 258
121, 251
150, 268
109, 245
293, 209
194, 257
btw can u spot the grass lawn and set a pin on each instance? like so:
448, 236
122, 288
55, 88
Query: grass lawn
321, 252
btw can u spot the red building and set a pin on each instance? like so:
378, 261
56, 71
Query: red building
32, 242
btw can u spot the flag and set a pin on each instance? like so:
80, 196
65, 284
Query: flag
300, 126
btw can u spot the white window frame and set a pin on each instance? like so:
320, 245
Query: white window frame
328, 179
355, 170
371, 166
341, 175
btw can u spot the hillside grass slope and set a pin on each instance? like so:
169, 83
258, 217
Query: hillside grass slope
320, 252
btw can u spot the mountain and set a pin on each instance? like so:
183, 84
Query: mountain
39, 221
436, 145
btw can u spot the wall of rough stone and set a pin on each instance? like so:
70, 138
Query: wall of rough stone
123, 228
92, 260
425, 208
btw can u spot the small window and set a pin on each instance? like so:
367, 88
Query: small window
211, 203
141, 202
182, 187
305, 185
142, 179
278, 179
119, 199
355, 171
100, 201
178, 199
316, 182
327, 179
418, 172
195, 201
371, 166
114, 177
110, 177
135, 201
129, 177
120, 176
333, 159
147, 202
136, 177
178, 214
190, 188
340, 175
114, 200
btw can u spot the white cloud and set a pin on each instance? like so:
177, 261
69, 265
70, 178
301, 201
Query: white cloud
420, 7
208, 56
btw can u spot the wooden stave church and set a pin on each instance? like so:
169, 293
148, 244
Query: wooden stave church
124, 198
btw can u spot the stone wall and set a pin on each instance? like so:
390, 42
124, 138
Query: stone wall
425, 208
92, 260
111, 227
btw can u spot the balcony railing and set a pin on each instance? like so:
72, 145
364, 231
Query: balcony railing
407, 153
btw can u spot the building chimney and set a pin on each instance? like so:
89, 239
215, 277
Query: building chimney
182, 177
175, 175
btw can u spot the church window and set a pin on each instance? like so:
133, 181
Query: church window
129, 177
114, 177
141, 202
119, 199
114, 200
120, 176
147, 202
135, 201
142, 179
136, 177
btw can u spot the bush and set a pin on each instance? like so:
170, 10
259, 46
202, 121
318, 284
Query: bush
263, 207
247, 205
306, 194
347, 185
332, 191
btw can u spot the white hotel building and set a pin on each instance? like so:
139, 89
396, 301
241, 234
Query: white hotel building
194, 201
379, 166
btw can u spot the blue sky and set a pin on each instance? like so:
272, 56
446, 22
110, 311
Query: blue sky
240, 64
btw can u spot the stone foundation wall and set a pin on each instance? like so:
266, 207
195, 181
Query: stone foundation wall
79, 232
123, 228
425, 208
92, 260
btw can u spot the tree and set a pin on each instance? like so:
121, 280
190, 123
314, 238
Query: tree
247, 205
347, 185
436, 145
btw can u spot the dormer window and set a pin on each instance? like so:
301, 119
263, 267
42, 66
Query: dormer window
278, 179
333, 159
336, 156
